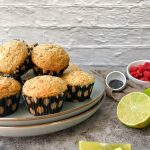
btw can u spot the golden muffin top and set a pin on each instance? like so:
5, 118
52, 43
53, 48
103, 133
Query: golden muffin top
78, 78
50, 57
44, 86
8, 87
12, 55
72, 67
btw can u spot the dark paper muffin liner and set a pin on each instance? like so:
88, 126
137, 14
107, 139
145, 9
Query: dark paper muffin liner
8, 105
39, 71
24, 67
44, 106
27, 76
78, 93
16, 77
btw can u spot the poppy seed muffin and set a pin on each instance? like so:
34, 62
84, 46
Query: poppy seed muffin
13, 58
80, 85
44, 94
9, 95
49, 59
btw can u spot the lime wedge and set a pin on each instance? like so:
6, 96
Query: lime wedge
90, 146
119, 148
134, 110
147, 91
102, 146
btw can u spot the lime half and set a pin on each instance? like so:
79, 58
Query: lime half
102, 146
134, 110
147, 91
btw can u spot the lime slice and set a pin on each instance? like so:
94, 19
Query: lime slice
147, 91
134, 110
119, 148
90, 146
102, 146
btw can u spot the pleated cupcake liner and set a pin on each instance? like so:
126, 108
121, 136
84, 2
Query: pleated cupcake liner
39, 71
26, 65
45, 106
9, 104
79, 93
27, 76
30, 47
14, 76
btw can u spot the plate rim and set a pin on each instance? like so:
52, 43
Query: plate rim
97, 105
59, 113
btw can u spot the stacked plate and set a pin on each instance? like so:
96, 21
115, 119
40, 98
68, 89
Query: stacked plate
22, 123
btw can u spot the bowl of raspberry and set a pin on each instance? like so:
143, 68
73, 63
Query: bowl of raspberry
139, 72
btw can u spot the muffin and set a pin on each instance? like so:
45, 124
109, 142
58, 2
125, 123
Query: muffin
9, 95
44, 94
80, 85
49, 59
71, 67
14, 58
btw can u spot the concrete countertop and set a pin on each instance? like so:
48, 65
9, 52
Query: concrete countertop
103, 126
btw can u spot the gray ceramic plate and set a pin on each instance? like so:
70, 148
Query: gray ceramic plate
48, 127
22, 117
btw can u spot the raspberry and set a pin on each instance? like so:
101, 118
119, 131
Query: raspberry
146, 74
141, 68
134, 74
148, 68
140, 74
133, 68
147, 64
144, 79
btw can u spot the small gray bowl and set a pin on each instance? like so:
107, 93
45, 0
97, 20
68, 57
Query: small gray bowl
116, 75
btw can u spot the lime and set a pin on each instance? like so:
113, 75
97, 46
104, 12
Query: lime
134, 110
147, 91
102, 146
119, 148
90, 146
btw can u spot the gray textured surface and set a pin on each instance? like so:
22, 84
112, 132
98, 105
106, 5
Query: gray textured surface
101, 127
93, 31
